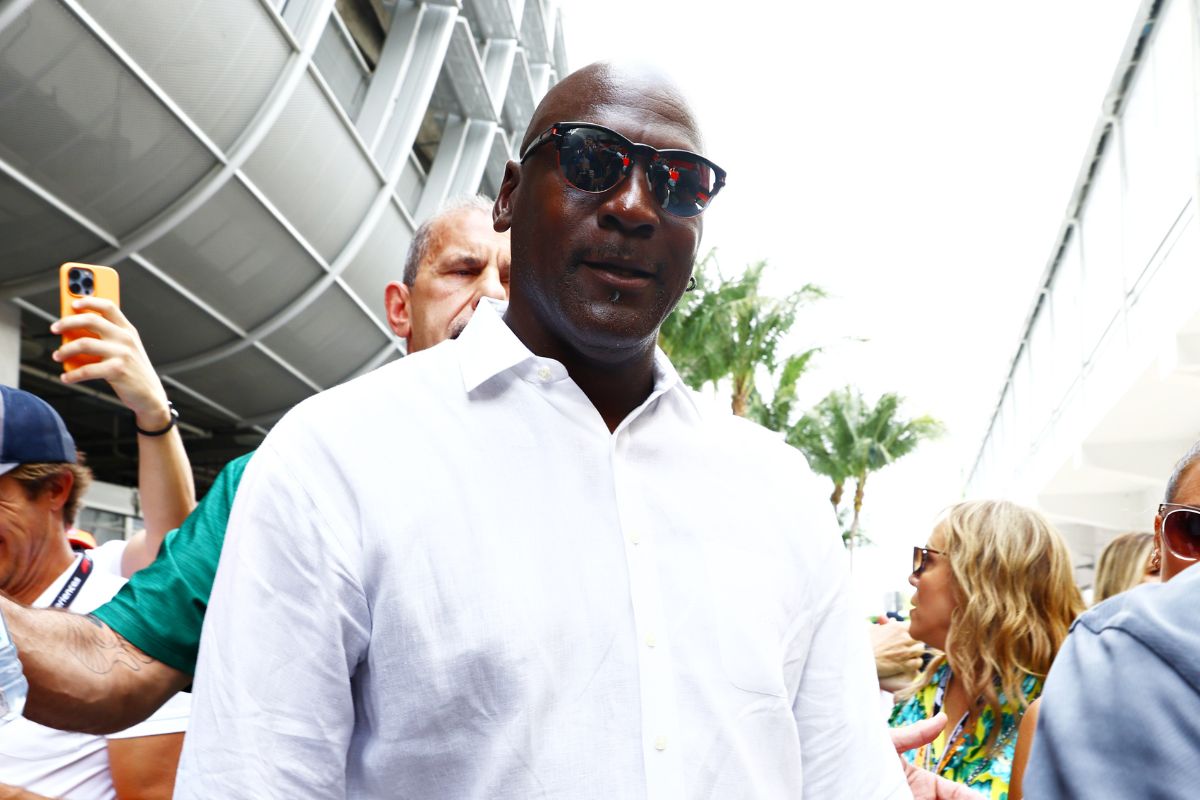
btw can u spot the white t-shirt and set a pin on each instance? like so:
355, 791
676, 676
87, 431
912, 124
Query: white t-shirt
108, 556
75, 765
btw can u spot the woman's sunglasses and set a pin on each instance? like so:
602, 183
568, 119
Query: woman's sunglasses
1181, 530
921, 558
595, 159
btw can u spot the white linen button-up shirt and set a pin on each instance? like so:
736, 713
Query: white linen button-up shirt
448, 579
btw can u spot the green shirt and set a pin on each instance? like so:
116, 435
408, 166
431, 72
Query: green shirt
161, 609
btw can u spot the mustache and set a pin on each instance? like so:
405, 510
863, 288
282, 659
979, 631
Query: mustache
612, 252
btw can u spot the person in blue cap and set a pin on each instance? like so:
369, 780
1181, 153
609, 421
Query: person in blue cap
42, 479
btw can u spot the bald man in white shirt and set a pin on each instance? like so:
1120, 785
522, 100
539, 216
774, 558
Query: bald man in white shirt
529, 562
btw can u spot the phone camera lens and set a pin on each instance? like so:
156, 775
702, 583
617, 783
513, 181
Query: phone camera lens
87, 284
74, 287
73, 276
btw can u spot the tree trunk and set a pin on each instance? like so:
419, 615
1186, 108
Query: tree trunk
836, 497
741, 396
859, 487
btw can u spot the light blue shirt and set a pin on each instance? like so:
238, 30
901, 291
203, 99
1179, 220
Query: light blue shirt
1120, 715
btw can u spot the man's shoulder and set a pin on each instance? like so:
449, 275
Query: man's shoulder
744, 436
760, 461
386, 386
1159, 618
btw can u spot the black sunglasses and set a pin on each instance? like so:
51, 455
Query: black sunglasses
595, 159
921, 558
1181, 529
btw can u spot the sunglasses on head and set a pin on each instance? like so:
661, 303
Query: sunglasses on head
921, 558
595, 159
1181, 530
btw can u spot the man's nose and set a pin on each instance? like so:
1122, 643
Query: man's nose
630, 206
913, 578
489, 285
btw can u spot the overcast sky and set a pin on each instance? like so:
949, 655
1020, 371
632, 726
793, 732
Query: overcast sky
913, 158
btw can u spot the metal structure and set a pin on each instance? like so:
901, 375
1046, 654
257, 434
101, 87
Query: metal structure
255, 170
1101, 397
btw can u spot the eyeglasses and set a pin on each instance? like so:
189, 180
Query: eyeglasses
1181, 529
921, 558
594, 159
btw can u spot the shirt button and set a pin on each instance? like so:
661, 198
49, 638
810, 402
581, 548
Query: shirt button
650, 642
660, 743
543, 374
635, 538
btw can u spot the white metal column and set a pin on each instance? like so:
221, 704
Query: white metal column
404, 80
10, 343
458, 167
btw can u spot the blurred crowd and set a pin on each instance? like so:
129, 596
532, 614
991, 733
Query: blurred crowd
439, 611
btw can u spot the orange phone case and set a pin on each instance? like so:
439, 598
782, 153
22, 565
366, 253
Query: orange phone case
105, 283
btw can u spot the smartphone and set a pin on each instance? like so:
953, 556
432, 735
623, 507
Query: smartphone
84, 280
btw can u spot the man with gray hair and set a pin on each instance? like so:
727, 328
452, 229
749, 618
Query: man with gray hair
455, 258
113, 668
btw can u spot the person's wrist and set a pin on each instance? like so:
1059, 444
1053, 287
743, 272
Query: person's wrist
158, 421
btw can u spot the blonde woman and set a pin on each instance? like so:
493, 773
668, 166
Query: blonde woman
1124, 564
995, 595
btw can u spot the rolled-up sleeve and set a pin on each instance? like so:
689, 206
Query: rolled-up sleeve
286, 627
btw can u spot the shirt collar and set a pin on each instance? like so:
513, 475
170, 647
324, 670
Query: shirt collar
488, 347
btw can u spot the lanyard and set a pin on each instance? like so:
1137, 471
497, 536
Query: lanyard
70, 589
948, 748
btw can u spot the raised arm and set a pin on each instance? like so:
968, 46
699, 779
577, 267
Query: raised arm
82, 675
165, 484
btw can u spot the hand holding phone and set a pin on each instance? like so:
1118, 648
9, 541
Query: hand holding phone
100, 342
78, 282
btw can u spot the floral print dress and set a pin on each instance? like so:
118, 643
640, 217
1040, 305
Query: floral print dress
984, 768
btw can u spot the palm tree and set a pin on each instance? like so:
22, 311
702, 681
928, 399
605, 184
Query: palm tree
777, 414
826, 435
846, 438
726, 329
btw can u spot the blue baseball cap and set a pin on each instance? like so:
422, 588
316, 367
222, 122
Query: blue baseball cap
31, 432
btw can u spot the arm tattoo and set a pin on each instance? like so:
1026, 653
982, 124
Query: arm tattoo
99, 649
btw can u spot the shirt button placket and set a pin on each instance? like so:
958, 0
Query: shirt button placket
653, 658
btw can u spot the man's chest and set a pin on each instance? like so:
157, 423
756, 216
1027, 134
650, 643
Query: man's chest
580, 582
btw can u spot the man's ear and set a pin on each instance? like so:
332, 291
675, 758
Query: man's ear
58, 489
502, 211
399, 317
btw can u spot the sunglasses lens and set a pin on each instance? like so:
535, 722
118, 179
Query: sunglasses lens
1181, 529
682, 182
918, 561
592, 159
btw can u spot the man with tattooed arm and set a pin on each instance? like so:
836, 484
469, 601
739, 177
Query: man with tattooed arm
42, 478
